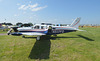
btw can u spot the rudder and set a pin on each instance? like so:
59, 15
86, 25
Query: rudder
76, 23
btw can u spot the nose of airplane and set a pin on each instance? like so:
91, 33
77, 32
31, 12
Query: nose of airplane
19, 29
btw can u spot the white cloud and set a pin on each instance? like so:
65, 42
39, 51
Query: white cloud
38, 8
22, 7
33, 7
25, 8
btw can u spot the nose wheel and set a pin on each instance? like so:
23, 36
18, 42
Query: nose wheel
38, 38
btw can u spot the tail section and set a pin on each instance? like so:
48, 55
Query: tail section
76, 23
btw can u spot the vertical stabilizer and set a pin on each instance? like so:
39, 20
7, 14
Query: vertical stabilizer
76, 23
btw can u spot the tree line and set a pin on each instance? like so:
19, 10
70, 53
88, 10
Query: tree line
18, 24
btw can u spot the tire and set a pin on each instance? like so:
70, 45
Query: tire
23, 36
38, 38
8, 33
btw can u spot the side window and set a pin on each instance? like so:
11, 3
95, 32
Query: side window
53, 28
42, 27
46, 27
57, 25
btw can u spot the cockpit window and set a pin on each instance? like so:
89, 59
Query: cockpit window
36, 27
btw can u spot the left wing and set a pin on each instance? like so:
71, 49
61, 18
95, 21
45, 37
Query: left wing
31, 34
35, 34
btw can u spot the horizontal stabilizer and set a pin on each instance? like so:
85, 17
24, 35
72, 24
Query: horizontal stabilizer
81, 30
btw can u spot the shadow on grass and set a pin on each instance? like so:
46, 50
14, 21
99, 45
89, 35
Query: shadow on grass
46, 37
41, 49
85, 38
54, 38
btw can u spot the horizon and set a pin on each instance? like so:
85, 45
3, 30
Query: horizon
58, 23
51, 11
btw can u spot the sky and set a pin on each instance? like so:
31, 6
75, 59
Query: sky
50, 11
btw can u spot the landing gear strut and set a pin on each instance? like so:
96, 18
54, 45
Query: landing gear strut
9, 32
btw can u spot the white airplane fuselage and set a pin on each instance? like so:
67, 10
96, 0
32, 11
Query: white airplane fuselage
45, 30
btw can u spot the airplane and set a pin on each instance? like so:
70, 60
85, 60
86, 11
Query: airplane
40, 30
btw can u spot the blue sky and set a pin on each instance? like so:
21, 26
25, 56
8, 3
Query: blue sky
53, 11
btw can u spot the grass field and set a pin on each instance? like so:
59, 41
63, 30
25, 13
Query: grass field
75, 46
4, 31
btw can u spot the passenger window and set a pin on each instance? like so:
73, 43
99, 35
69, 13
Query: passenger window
46, 27
42, 27
54, 28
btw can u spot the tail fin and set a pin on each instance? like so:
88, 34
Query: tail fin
76, 23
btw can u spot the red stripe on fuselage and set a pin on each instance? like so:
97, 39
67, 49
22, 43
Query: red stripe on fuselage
34, 30
63, 27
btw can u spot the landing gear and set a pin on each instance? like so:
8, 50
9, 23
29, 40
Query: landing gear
23, 36
9, 32
38, 38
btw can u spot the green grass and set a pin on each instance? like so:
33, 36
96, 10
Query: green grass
4, 31
75, 46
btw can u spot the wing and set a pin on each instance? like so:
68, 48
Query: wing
31, 34
35, 34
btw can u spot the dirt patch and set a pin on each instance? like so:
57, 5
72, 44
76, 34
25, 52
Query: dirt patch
3, 34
